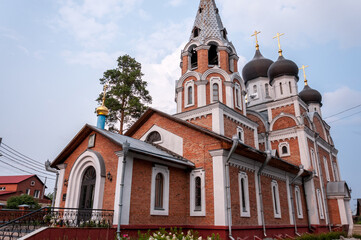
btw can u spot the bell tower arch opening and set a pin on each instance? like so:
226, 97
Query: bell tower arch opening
213, 54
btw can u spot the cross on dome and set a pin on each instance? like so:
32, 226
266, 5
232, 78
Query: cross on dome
279, 43
304, 73
255, 35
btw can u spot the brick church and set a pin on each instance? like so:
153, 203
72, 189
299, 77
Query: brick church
246, 154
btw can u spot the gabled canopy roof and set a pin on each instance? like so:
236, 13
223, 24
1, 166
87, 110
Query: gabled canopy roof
15, 179
338, 189
135, 146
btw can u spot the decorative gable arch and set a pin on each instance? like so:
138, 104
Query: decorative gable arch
283, 115
87, 159
197, 75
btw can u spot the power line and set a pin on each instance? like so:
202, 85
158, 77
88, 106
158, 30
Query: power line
9, 153
346, 117
20, 153
24, 170
21, 164
343, 111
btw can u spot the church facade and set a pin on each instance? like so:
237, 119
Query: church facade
243, 156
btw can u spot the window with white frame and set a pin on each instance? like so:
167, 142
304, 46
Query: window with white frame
36, 194
290, 86
276, 199
266, 88
27, 192
160, 191
197, 193
244, 194
298, 202
320, 204
325, 162
284, 149
189, 94
216, 89
2, 188
314, 161
237, 96
240, 134
335, 172
32, 183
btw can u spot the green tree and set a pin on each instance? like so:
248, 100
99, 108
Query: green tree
15, 201
126, 95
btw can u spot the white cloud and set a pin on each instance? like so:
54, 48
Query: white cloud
176, 3
342, 99
321, 21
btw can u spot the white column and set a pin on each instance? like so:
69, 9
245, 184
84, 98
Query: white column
126, 189
258, 201
303, 146
218, 120
201, 92
312, 202
60, 184
179, 92
289, 199
219, 193
229, 94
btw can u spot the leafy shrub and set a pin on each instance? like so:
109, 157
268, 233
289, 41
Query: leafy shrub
322, 236
15, 201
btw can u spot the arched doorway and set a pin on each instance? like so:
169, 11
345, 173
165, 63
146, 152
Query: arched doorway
87, 194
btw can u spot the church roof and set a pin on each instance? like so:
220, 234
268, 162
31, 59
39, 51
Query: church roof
135, 146
208, 22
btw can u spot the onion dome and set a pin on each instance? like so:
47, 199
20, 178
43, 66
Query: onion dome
282, 67
102, 110
310, 95
257, 67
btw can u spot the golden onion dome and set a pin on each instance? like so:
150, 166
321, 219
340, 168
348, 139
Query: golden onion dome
102, 110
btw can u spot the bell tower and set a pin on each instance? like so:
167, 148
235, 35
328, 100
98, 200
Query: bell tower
209, 65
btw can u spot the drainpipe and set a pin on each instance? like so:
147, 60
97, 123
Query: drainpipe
228, 190
49, 169
322, 184
291, 194
259, 172
305, 195
126, 146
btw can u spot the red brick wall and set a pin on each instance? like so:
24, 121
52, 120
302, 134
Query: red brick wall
295, 157
334, 211
283, 122
237, 220
286, 109
205, 122
319, 128
107, 149
224, 62
230, 129
261, 128
300, 221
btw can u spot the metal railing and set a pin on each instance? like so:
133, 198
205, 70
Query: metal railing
56, 217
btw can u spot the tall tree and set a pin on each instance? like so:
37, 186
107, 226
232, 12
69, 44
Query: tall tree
126, 94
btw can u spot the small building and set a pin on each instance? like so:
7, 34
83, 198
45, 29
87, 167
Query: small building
25, 184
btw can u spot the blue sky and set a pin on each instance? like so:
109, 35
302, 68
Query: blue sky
54, 52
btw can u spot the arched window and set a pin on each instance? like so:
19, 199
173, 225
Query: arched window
266, 87
240, 134
243, 194
87, 189
212, 55
276, 199
158, 201
196, 30
215, 92
254, 88
284, 149
298, 202
314, 162
320, 204
325, 162
237, 97
198, 194
194, 57
289, 84
281, 89
190, 95
153, 137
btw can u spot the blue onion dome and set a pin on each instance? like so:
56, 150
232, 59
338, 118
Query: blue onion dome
257, 67
282, 67
310, 95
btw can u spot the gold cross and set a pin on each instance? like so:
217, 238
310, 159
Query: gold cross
104, 89
279, 44
304, 73
255, 35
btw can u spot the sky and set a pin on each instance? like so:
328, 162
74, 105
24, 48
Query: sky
53, 53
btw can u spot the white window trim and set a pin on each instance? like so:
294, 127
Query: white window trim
298, 200
240, 131
277, 197
197, 173
320, 204
36, 194
27, 191
188, 84
314, 161
280, 146
239, 104
220, 90
2, 188
325, 162
165, 171
243, 175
